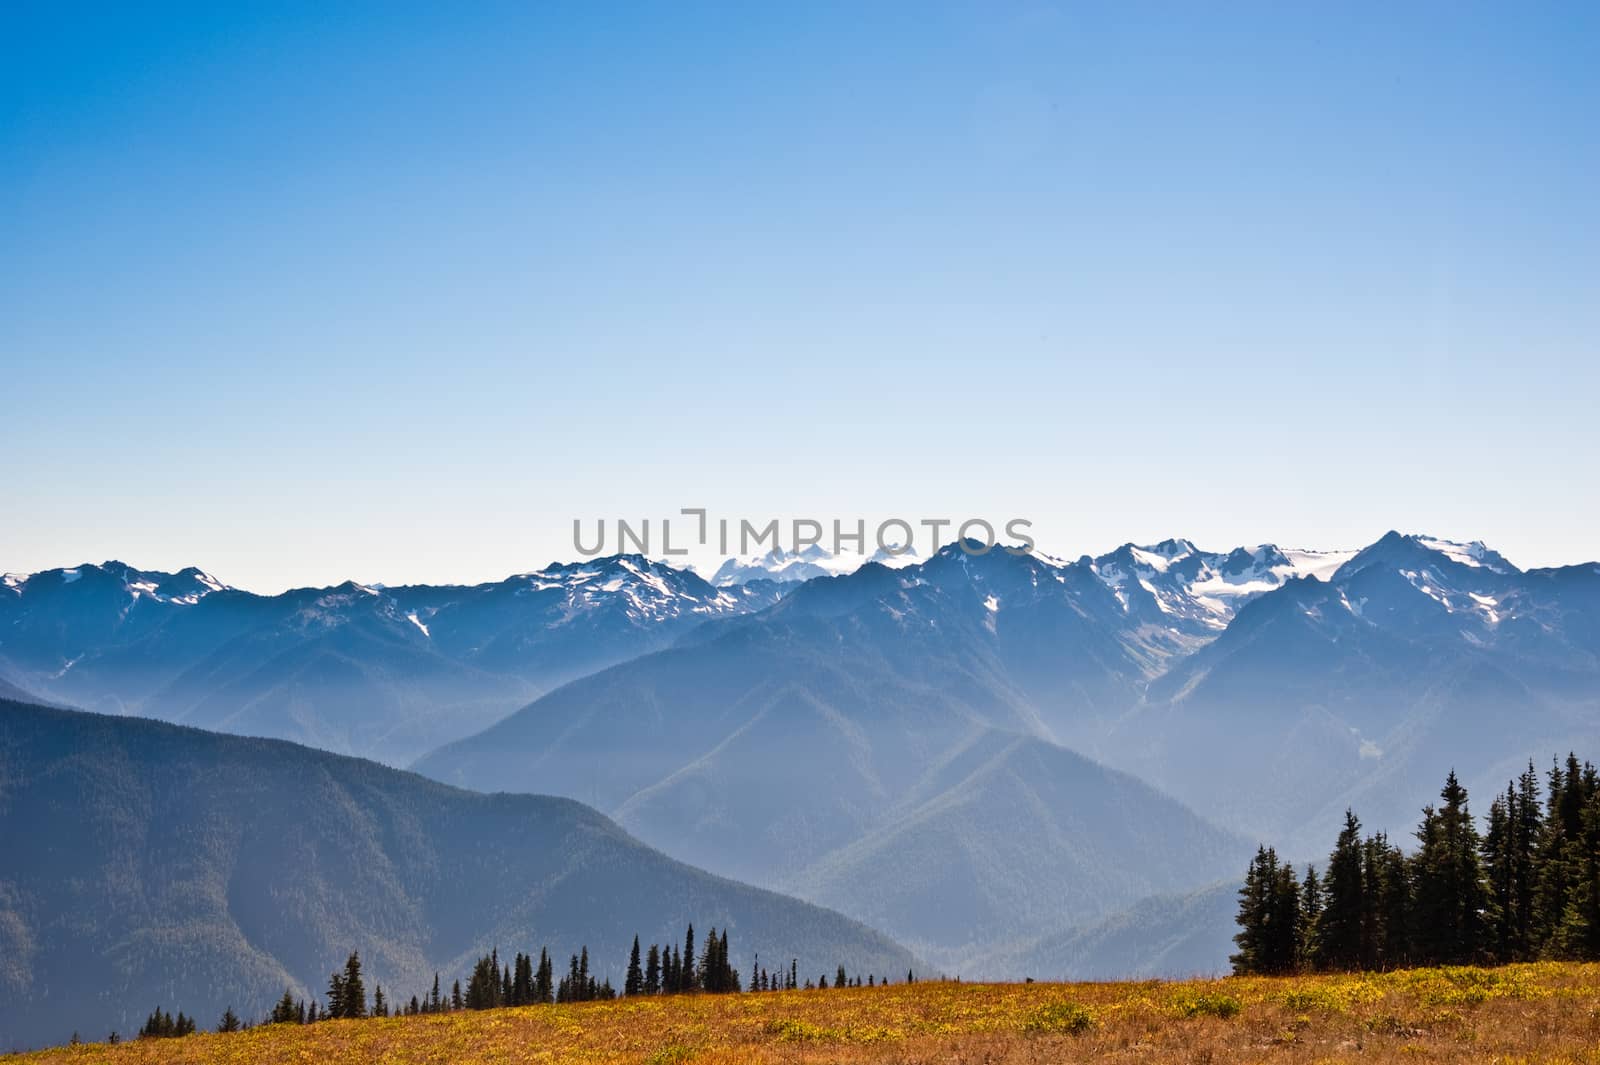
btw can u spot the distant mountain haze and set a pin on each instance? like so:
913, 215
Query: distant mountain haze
386, 673
946, 714
145, 863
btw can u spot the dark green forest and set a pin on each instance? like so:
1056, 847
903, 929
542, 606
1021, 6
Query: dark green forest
1525, 887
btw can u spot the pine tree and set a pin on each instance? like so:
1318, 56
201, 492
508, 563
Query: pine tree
544, 980
1284, 932
522, 986
633, 983
1339, 927
1499, 876
380, 1005
483, 986
336, 995
355, 992
686, 981
1450, 894
229, 1022
1576, 934
1255, 900
1395, 906
652, 971
1310, 911
1527, 826
284, 1012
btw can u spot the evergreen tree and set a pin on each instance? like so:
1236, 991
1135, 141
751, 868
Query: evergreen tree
284, 1012
380, 1005
1527, 826
162, 1025
157, 1026
652, 971
1310, 910
544, 980
355, 992
1450, 897
484, 985
1497, 871
523, 984
336, 995
633, 983
1395, 907
1576, 932
1284, 930
1339, 927
1254, 907
686, 970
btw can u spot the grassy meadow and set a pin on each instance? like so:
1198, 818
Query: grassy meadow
1545, 1012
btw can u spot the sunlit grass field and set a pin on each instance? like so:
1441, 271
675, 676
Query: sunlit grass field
1547, 1012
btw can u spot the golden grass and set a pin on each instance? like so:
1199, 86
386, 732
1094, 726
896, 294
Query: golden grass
1520, 1014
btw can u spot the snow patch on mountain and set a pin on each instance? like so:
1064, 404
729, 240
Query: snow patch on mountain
1474, 554
648, 590
1202, 590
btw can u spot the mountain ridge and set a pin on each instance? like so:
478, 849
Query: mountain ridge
162, 863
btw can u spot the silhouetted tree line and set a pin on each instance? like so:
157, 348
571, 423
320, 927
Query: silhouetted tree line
162, 1025
1526, 887
663, 970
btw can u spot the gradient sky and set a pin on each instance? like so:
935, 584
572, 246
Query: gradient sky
305, 292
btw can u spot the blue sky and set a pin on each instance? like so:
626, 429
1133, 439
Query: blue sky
300, 293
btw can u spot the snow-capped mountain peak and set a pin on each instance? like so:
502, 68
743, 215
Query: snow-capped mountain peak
1174, 583
184, 588
1414, 551
643, 589
804, 565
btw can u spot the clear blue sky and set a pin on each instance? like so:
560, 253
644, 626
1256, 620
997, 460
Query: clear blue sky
306, 292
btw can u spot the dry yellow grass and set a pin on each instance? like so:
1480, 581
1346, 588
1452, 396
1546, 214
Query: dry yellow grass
1519, 1014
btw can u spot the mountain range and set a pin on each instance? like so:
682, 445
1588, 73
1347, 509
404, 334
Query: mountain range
815, 560
386, 673
987, 756
149, 864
